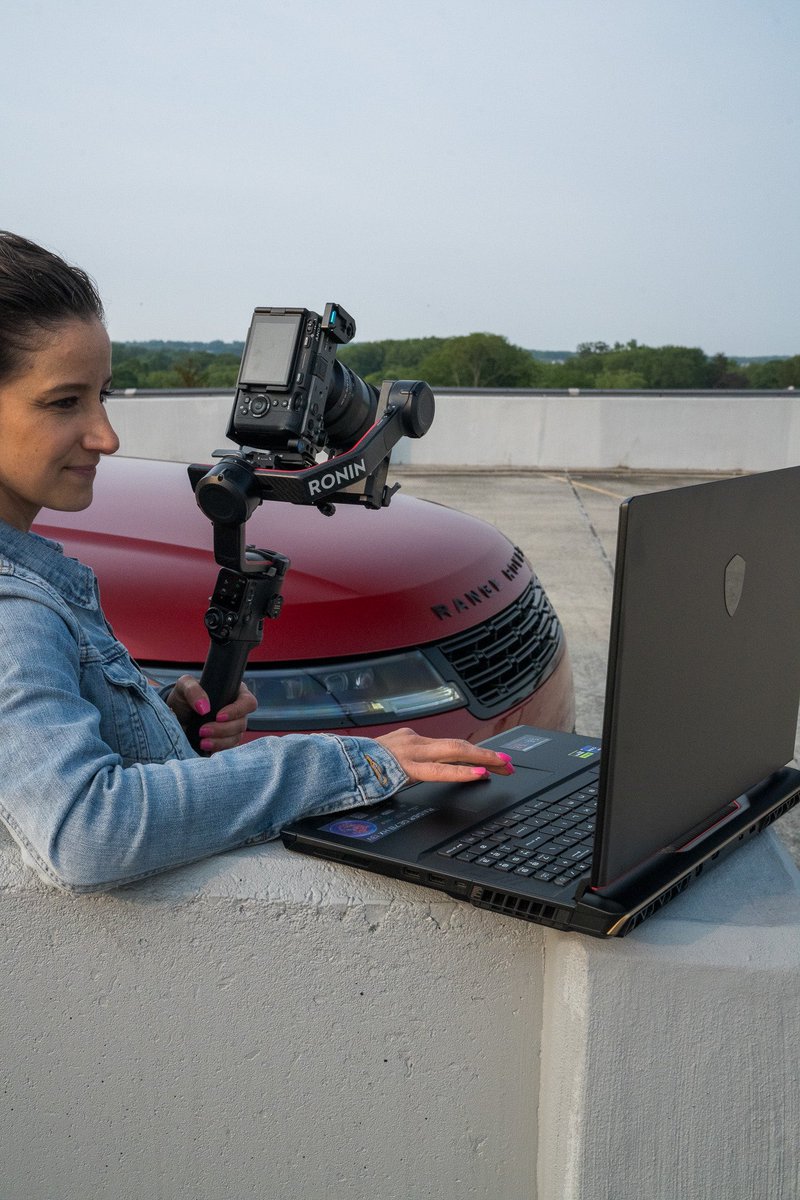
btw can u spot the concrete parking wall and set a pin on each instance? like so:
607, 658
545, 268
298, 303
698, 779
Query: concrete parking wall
665, 431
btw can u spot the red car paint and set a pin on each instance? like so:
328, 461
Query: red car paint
361, 583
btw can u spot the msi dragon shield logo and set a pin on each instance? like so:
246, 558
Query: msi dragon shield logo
734, 583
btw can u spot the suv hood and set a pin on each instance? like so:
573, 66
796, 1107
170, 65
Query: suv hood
360, 582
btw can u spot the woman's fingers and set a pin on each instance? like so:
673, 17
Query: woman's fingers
445, 760
221, 732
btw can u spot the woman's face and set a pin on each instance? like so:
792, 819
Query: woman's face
53, 423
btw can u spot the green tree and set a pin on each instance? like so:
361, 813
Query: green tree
223, 372
388, 359
479, 360
789, 372
763, 374
620, 378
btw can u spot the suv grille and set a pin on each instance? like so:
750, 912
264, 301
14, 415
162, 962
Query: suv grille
508, 656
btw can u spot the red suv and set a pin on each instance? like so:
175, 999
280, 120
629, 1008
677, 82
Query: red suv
412, 615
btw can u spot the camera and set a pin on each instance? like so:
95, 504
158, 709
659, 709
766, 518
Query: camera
293, 398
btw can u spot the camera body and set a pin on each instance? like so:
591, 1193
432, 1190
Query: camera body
292, 397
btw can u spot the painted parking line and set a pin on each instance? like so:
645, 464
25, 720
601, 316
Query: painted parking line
589, 487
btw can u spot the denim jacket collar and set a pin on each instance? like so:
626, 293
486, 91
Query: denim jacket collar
45, 558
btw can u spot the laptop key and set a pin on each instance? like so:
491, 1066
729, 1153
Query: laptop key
455, 848
536, 839
578, 853
537, 822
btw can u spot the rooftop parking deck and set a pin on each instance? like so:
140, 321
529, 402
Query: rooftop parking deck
566, 523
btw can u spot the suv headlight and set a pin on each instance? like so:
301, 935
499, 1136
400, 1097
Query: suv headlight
372, 691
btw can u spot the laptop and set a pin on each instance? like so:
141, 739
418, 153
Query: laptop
702, 692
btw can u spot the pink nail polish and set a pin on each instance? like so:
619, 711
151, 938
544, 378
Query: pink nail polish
223, 717
206, 744
480, 772
202, 707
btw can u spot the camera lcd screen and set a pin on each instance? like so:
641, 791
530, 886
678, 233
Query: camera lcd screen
270, 349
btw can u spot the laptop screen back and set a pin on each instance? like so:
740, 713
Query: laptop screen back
704, 659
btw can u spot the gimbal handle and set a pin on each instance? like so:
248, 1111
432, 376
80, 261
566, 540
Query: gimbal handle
235, 622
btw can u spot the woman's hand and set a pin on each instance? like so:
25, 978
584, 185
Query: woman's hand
187, 699
443, 760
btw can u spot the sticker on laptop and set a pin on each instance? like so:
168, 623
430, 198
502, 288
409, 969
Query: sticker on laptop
352, 829
376, 828
528, 741
585, 752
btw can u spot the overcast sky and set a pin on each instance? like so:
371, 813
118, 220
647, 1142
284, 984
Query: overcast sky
555, 171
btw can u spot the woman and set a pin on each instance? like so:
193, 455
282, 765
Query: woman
98, 783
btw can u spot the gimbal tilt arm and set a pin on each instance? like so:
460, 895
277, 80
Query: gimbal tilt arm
248, 587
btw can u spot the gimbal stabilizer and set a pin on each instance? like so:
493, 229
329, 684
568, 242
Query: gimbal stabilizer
248, 587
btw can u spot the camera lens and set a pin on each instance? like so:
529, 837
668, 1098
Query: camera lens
350, 408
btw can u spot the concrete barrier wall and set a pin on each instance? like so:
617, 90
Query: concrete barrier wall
272, 1027
664, 431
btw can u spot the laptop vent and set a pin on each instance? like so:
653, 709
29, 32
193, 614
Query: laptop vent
507, 656
644, 913
682, 884
777, 812
513, 906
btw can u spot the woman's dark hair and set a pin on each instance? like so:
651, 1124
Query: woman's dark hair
38, 291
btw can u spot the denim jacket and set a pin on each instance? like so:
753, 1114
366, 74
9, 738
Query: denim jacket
98, 783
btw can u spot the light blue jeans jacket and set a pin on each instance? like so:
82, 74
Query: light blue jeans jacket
98, 783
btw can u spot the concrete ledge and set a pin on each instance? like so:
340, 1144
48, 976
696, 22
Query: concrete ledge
263, 1025
669, 1058
266, 1025
587, 430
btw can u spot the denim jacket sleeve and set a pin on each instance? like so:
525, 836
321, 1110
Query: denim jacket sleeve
89, 816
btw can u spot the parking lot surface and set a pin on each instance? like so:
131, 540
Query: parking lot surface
566, 524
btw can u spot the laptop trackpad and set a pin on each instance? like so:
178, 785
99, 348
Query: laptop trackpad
499, 791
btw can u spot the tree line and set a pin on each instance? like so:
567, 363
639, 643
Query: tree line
477, 360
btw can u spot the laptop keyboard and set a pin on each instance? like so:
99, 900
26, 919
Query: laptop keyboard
550, 840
